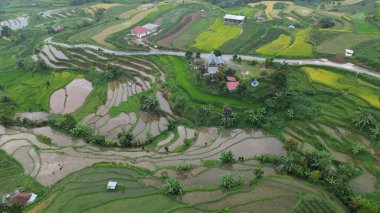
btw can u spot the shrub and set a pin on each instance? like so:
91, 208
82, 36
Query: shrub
81, 130
62, 122
229, 182
227, 157
258, 172
291, 145
125, 139
173, 187
184, 166
44, 139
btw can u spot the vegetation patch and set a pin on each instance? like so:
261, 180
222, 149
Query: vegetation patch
216, 36
300, 47
275, 46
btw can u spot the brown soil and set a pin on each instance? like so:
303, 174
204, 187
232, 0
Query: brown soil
167, 38
338, 58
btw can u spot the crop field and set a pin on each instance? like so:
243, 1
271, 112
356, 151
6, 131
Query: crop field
299, 48
344, 41
12, 176
350, 84
186, 39
281, 43
91, 9
254, 36
362, 25
368, 52
216, 36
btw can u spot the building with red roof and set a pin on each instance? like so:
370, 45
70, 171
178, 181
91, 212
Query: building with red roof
140, 31
231, 78
232, 86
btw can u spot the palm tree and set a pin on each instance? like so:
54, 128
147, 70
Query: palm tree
287, 164
364, 118
331, 180
207, 108
375, 133
356, 149
229, 119
290, 113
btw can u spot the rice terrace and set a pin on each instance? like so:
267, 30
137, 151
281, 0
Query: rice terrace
189, 106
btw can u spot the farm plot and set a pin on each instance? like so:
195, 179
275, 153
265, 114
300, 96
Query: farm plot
341, 82
344, 41
167, 38
91, 9
300, 47
16, 24
273, 13
216, 36
138, 15
187, 38
368, 52
362, 25
58, 14
254, 36
281, 43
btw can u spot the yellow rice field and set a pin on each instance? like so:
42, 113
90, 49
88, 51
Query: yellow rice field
91, 9
341, 82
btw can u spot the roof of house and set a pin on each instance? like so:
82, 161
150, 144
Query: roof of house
111, 185
231, 86
139, 30
213, 59
150, 26
21, 199
349, 51
254, 83
234, 17
231, 78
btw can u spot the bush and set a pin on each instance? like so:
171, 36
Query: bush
62, 122
172, 187
81, 130
258, 172
229, 182
227, 157
291, 145
44, 139
184, 166
125, 139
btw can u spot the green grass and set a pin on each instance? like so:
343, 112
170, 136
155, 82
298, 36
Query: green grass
12, 177
216, 36
194, 92
275, 46
152, 203
132, 105
362, 25
300, 48
31, 92
187, 39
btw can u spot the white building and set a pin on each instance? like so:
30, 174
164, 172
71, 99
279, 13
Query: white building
233, 19
349, 53
152, 27
111, 185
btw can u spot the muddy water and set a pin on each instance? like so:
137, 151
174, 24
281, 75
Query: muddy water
16, 24
57, 101
254, 147
58, 138
77, 92
57, 53
365, 183
164, 104
66, 101
33, 116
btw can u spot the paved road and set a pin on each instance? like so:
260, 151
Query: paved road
319, 62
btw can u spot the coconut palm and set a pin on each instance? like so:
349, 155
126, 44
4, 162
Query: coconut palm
290, 113
229, 119
375, 133
331, 180
206, 108
364, 118
356, 149
287, 164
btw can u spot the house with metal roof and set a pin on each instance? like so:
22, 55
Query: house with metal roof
233, 19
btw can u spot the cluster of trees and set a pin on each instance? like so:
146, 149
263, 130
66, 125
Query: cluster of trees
326, 22
320, 167
7, 109
365, 121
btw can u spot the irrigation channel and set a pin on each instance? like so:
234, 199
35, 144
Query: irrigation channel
318, 62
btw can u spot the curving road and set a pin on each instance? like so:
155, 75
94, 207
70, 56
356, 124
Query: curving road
319, 62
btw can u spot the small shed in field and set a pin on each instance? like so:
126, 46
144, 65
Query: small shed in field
111, 185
